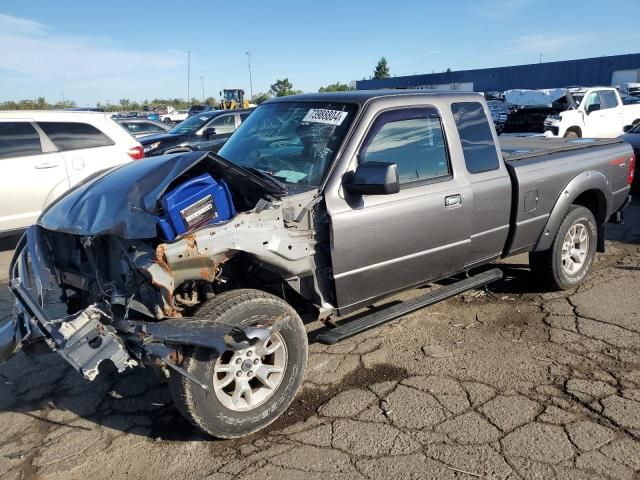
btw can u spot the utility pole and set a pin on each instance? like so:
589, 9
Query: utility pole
248, 54
62, 93
188, 76
540, 58
202, 83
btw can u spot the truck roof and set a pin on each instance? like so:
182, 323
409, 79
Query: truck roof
363, 96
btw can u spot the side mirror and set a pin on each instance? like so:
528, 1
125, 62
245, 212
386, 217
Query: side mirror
626, 128
209, 131
374, 178
593, 108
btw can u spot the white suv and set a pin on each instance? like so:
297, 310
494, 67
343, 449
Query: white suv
44, 153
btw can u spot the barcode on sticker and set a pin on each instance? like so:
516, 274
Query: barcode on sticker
323, 115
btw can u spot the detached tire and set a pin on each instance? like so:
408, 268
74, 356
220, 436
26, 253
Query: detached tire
248, 389
566, 264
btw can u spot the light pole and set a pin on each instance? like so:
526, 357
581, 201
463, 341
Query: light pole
62, 93
202, 83
188, 76
248, 54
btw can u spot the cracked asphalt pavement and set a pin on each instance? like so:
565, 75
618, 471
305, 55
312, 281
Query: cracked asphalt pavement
509, 382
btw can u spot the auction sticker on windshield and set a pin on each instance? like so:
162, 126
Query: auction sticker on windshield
322, 115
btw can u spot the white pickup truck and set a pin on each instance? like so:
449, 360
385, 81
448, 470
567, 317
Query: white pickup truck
596, 112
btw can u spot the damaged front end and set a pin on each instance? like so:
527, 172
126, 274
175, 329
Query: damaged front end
128, 295
100, 332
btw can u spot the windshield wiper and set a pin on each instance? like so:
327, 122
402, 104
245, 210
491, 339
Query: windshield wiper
266, 176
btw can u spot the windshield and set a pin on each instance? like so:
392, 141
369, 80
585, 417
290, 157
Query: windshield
191, 124
294, 142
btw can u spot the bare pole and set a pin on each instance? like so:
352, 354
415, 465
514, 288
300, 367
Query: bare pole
248, 54
188, 76
202, 83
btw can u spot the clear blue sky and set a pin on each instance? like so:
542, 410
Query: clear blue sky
137, 49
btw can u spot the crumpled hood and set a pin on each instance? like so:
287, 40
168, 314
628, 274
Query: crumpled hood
124, 201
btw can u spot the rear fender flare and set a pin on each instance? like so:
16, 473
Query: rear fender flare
589, 180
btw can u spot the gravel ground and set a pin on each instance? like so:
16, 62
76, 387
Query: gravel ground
512, 382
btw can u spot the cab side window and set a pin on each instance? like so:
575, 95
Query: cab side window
480, 154
592, 103
609, 99
18, 139
411, 138
223, 123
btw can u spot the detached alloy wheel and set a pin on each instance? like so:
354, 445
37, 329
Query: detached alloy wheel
249, 388
568, 261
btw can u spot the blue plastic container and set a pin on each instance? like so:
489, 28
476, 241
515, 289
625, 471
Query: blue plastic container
195, 203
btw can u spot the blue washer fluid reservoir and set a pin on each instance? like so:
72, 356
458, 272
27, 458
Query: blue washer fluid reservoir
197, 202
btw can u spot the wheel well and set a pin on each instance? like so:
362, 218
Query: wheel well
595, 201
577, 130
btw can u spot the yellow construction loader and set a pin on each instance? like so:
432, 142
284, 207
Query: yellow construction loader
233, 98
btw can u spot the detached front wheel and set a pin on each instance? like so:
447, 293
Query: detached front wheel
568, 261
248, 388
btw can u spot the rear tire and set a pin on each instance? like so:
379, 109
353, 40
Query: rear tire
218, 412
571, 135
566, 264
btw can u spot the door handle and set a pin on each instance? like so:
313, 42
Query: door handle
453, 200
44, 165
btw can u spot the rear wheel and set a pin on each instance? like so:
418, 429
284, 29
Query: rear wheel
571, 135
568, 261
248, 388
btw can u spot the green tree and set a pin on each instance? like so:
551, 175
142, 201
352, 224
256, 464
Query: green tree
448, 70
212, 102
337, 87
382, 69
282, 88
261, 97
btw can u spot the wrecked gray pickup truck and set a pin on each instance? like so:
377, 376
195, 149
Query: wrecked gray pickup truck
324, 204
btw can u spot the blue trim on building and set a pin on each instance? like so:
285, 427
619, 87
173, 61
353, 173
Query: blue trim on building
586, 72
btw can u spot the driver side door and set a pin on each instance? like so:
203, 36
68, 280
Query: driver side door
386, 243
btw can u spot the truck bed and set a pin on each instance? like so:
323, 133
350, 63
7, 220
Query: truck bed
521, 148
540, 170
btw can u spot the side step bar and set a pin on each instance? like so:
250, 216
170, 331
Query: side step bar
367, 322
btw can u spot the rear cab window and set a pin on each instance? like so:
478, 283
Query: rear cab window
609, 99
413, 139
478, 146
74, 135
18, 139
